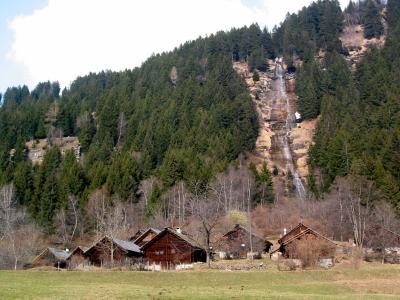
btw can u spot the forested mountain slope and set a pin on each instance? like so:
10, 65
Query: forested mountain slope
358, 133
185, 115
182, 115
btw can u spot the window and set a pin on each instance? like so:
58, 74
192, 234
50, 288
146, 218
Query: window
159, 252
173, 251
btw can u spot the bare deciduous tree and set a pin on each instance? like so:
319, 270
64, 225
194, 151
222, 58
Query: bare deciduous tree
358, 195
382, 234
66, 220
54, 136
208, 212
17, 238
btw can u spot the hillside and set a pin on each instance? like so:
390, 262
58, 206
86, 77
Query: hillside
238, 125
181, 116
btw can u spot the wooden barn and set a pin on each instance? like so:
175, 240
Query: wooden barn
238, 242
136, 235
51, 257
77, 257
110, 252
380, 237
171, 248
303, 234
145, 237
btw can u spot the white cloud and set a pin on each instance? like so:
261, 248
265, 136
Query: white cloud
68, 38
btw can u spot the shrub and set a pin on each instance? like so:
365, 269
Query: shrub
310, 250
256, 76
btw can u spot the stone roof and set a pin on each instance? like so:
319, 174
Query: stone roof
188, 239
124, 245
128, 246
238, 226
59, 253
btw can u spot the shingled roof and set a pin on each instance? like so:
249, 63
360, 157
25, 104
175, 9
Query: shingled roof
143, 235
289, 237
128, 246
188, 239
59, 254
124, 245
238, 226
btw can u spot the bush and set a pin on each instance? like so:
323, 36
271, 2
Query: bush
256, 76
310, 250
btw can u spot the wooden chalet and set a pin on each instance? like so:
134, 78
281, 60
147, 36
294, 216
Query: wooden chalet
301, 233
238, 242
136, 235
145, 237
171, 248
111, 251
77, 257
380, 237
51, 257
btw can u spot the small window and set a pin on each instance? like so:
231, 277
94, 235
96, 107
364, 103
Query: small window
173, 251
159, 252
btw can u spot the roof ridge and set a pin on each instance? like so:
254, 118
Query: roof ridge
304, 232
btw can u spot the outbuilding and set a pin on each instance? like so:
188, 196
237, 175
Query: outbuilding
301, 236
77, 257
146, 236
51, 257
172, 249
111, 252
239, 243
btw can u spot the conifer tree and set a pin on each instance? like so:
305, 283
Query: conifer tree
372, 21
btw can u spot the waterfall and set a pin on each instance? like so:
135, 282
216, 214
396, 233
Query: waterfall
284, 139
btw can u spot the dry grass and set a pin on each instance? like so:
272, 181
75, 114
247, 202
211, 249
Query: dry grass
371, 281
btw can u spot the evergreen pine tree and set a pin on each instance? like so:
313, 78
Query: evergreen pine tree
372, 21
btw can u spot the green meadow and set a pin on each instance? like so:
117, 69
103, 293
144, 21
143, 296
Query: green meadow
371, 281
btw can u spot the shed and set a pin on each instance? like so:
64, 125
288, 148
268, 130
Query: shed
52, 257
136, 235
379, 236
289, 241
171, 248
77, 257
112, 251
146, 236
238, 242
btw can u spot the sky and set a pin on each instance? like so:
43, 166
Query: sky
58, 40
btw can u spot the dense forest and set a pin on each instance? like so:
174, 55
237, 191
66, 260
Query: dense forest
358, 133
181, 116
185, 116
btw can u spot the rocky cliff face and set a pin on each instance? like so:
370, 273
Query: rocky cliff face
282, 143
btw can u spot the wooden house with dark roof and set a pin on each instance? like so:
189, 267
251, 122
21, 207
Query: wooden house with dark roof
77, 257
238, 242
145, 237
379, 237
302, 233
51, 257
136, 235
293, 232
171, 248
112, 251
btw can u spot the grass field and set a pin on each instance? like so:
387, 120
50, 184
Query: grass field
372, 281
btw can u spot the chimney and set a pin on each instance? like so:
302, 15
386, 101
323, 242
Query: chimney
178, 230
284, 231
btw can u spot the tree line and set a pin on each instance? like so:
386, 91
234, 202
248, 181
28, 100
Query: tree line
358, 133
183, 116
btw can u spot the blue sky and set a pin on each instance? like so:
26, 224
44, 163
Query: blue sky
59, 40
